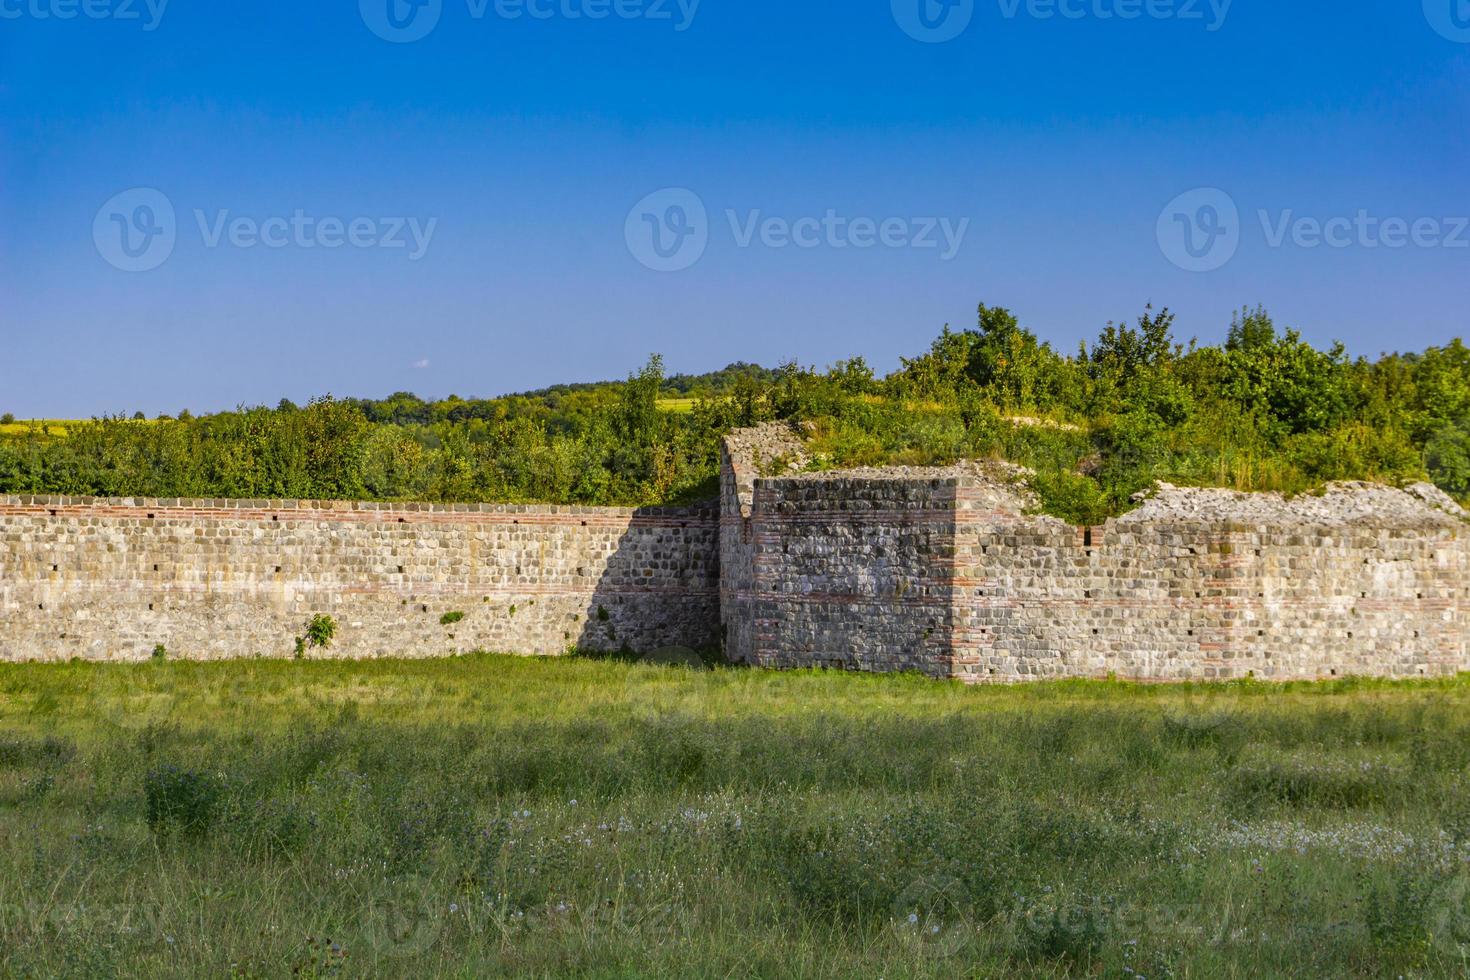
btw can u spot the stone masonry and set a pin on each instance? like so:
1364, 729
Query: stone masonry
947, 572
111, 579
943, 571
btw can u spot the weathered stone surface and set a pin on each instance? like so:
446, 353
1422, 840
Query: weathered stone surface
936, 570
942, 571
110, 579
1422, 505
746, 455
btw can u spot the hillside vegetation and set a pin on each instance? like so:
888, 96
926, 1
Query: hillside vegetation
1263, 411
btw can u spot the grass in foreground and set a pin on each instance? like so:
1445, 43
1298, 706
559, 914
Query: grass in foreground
493, 816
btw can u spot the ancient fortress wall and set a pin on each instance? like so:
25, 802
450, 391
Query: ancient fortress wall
1163, 597
946, 572
854, 574
110, 579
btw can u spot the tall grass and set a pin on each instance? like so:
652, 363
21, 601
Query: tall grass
498, 816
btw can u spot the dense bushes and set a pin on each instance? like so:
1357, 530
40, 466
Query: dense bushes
610, 445
1263, 411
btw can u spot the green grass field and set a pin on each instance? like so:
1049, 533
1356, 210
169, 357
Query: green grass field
498, 816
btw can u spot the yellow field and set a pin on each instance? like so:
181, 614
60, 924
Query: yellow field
52, 427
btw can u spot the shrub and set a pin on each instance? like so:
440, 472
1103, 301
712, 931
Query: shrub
23, 750
160, 652
1056, 929
1071, 497
7, 419
180, 799
1448, 458
321, 631
1315, 783
1398, 909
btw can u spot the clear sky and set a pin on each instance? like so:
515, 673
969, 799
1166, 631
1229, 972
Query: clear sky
481, 196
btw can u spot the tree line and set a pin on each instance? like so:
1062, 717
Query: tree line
1265, 410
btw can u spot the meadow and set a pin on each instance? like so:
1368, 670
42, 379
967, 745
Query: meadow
490, 815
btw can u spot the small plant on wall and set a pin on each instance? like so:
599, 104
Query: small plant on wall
319, 633
450, 618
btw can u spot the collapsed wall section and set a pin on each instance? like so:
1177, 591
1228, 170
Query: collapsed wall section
1204, 585
112, 579
949, 572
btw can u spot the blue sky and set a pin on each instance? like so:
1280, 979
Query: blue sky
1069, 144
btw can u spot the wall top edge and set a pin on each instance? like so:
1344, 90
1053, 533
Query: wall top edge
1000, 522
839, 482
20, 501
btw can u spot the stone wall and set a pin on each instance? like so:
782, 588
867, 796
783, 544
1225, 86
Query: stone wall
110, 579
945, 572
854, 574
744, 456
1218, 594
